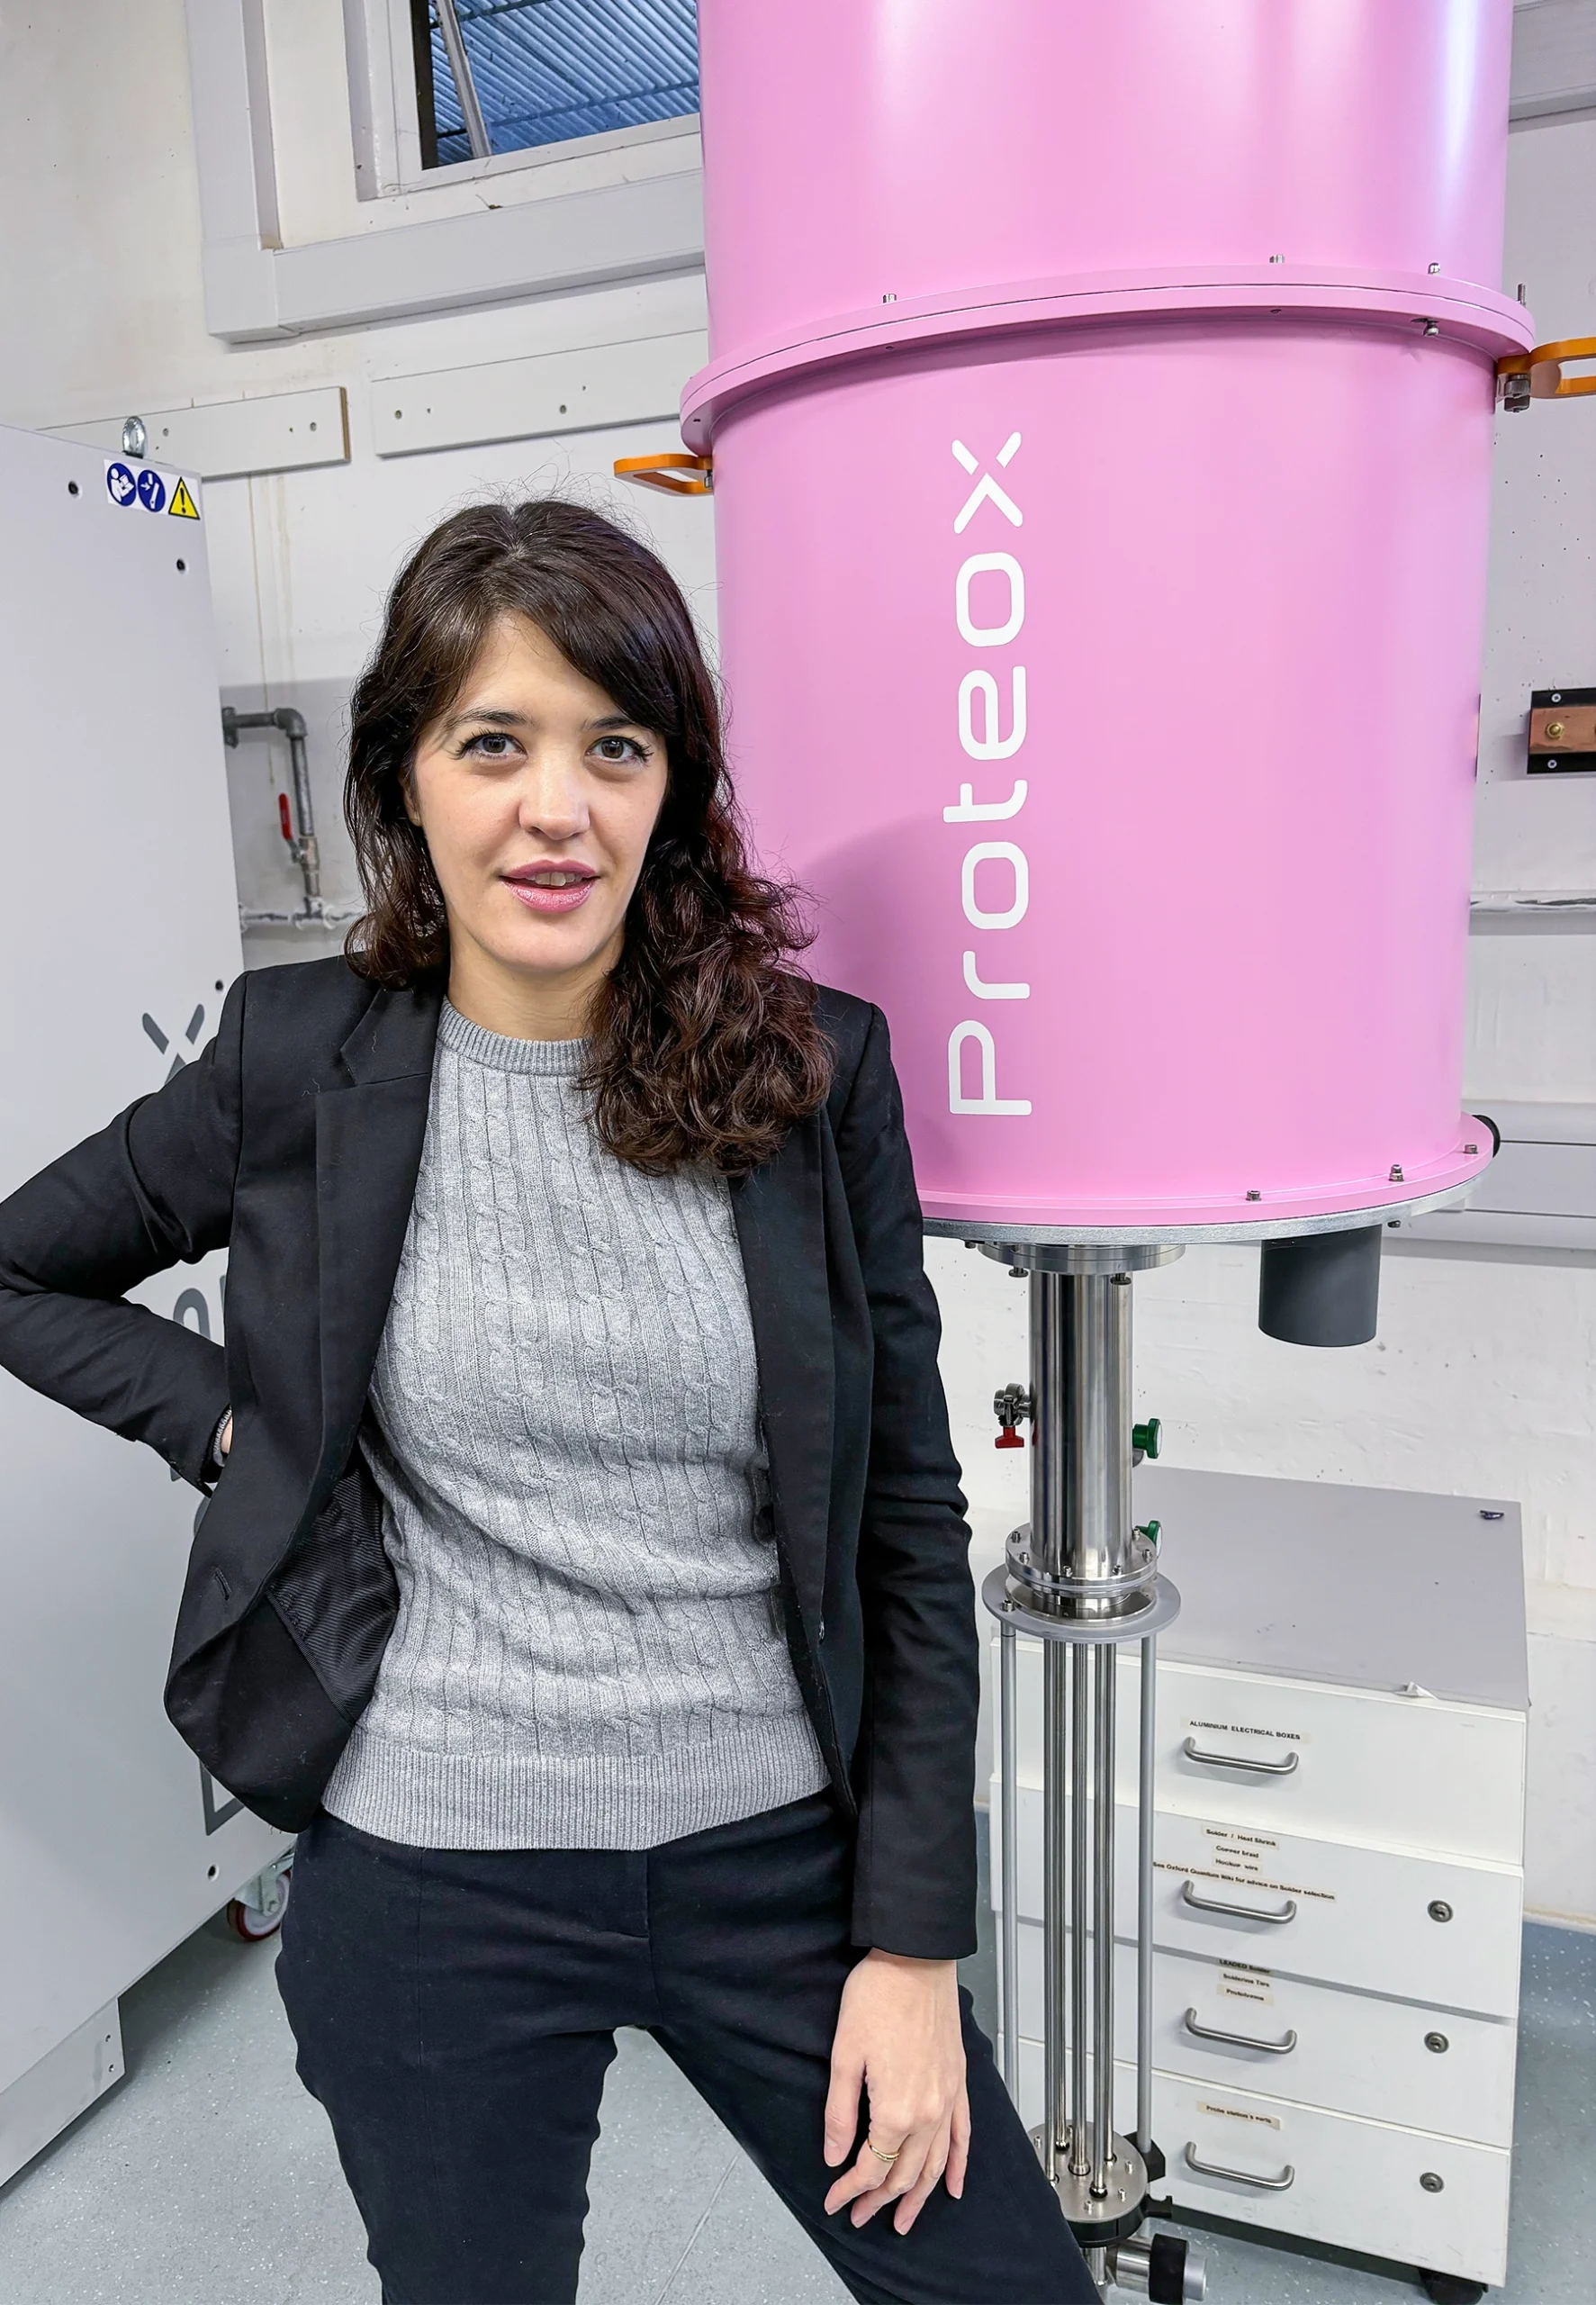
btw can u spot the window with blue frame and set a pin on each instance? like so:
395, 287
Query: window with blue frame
506, 75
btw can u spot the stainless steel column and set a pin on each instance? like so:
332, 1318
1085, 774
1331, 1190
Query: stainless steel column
1098, 1428
1081, 1581
1051, 1448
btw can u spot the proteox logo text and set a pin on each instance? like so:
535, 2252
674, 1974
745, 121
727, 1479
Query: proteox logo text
982, 704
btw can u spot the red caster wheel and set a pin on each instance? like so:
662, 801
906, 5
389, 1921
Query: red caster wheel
253, 1922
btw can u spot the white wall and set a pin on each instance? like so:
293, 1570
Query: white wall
1482, 1379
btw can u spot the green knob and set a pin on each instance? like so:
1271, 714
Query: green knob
1146, 1437
1151, 1530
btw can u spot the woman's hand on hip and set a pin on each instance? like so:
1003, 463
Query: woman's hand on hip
899, 2039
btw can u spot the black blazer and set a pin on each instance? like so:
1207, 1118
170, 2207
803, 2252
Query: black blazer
293, 1142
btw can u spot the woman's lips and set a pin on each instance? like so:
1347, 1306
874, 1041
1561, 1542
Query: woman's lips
539, 896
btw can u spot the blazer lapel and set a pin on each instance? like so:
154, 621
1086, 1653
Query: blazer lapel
781, 1218
369, 1135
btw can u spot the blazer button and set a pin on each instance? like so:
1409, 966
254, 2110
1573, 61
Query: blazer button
822, 1628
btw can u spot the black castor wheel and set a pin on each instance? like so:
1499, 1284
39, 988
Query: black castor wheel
1450, 2288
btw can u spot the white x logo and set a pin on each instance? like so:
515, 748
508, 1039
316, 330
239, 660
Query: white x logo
986, 490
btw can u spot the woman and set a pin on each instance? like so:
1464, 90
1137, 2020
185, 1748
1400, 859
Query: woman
585, 1576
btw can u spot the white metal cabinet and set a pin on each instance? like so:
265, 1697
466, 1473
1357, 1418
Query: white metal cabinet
1368, 1646
122, 926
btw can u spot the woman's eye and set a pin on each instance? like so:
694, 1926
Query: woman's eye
490, 743
619, 748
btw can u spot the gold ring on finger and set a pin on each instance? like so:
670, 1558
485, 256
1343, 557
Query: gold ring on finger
888, 2157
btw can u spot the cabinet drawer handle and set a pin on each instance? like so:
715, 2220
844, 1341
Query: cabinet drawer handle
1194, 1752
1188, 1896
1239, 2041
1288, 2176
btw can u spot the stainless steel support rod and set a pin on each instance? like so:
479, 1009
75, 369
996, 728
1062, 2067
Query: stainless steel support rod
1008, 1828
1055, 1936
1049, 1423
1080, 1908
1146, 1757
1103, 1917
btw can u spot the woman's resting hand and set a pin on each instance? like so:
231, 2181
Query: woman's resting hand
899, 2039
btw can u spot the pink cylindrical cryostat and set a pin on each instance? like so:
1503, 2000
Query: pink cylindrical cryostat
1101, 402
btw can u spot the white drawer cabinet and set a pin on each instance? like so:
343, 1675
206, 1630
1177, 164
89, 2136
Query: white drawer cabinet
1368, 1646
1335, 2163
1420, 2065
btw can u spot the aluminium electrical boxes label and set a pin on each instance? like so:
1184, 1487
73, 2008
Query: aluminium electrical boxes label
133, 487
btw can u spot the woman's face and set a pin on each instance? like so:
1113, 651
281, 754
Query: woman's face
537, 796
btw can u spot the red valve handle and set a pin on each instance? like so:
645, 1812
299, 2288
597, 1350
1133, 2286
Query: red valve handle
284, 817
1008, 1439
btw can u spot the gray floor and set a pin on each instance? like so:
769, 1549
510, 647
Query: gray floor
208, 2175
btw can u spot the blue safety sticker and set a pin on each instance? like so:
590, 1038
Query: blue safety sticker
121, 484
152, 491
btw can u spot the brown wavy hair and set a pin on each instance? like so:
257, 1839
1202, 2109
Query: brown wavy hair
706, 1048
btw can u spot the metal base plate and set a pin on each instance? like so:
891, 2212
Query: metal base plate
998, 1232
1121, 2209
1078, 1256
1010, 1604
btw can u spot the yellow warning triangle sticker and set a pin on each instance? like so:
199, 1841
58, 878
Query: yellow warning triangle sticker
183, 504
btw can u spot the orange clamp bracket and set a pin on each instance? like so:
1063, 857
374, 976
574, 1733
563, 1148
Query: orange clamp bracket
1543, 366
674, 474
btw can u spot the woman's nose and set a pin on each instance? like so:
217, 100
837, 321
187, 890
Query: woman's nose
551, 804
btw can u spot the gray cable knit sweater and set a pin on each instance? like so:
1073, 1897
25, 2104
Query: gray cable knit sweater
588, 1651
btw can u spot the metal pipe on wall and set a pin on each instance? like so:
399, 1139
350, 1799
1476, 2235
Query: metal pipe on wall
288, 721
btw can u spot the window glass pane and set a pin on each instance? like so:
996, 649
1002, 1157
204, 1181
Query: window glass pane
546, 70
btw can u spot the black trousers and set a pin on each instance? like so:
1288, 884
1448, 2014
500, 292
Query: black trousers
456, 2012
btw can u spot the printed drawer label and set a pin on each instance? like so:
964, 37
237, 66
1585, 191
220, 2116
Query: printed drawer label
1235, 2114
1247, 1729
1239, 1984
